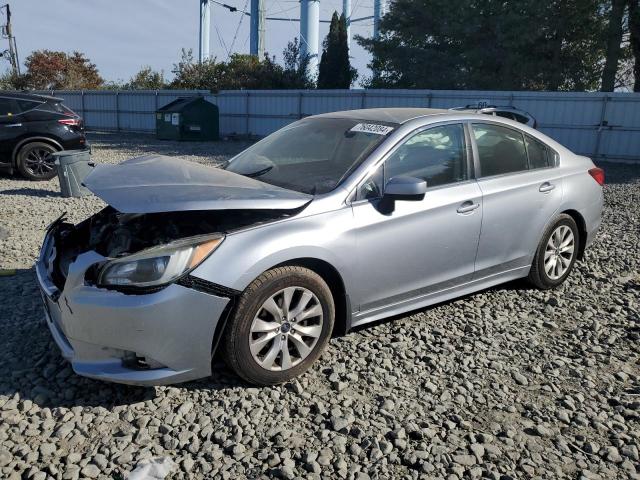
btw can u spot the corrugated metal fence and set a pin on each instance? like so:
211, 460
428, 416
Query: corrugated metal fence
601, 125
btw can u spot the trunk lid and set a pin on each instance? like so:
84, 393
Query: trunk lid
157, 183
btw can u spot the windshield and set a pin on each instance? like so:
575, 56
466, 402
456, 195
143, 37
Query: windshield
311, 155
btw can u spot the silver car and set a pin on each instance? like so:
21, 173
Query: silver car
334, 221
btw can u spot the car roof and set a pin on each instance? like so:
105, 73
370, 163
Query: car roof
29, 96
391, 115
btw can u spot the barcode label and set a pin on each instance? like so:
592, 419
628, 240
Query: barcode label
372, 128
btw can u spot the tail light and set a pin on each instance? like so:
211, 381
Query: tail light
71, 122
598, 175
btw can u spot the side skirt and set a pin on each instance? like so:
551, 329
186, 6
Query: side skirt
361, 318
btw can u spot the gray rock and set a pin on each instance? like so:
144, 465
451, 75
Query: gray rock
612, 455
47, 449
478, 450
313, 467
339, 423
520, 379
287, 472
91, 471
5, 458
187, 464
64, 429
630, 451
543, 431
185, 408
465, 460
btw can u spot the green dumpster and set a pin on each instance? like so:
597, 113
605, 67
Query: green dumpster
188, 118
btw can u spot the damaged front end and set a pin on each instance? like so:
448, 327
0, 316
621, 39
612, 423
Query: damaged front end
118, 297
148, 239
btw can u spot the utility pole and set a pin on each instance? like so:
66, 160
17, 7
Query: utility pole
205, 27
257, 31
12, 53
379, 9
346, 11
309, 26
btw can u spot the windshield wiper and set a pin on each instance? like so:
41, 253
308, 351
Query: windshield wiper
258, 173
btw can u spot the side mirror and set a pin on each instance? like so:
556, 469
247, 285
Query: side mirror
405, 188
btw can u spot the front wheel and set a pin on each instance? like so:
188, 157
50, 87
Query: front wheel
35, 161
556, 254
281, 325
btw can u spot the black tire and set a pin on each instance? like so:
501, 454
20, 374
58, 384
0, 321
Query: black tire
538, 275
34, 161
235, 344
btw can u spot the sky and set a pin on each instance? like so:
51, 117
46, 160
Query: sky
121, 36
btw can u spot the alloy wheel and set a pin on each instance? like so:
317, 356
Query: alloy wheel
39, 161
559, 252
286, 328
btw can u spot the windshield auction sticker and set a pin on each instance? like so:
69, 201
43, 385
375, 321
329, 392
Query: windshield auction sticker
372, 128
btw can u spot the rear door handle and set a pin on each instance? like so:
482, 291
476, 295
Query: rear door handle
546, 187
13, 125
467, 207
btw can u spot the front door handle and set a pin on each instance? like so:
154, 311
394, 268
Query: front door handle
467, 207
13, 125
546, 187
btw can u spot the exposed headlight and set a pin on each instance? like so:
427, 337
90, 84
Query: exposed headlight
159, 265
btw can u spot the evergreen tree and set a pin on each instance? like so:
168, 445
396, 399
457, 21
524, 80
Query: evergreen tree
296, 67
335, 70
490, 45
634, 33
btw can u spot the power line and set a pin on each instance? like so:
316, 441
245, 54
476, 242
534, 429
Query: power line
231, 8
224, 45
235, 36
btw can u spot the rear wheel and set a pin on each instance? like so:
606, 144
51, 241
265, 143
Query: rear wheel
282, 323
556, 254
35, 161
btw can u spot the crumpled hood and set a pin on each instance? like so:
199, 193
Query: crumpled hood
157, 183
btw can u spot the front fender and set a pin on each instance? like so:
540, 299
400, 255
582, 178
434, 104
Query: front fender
244, 255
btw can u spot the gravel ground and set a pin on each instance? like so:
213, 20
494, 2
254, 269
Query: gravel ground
507, 383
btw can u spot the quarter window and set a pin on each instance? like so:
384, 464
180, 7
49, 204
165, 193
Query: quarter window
538, 153
437, 155
501, 150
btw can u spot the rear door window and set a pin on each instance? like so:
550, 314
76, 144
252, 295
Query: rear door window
8, 107
26, 105
501, 150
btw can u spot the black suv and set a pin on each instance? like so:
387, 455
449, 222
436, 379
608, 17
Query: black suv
32, 127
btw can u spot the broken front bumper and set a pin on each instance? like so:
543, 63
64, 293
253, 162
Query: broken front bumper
150, 339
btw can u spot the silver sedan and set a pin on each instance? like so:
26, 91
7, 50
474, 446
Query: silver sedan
334, 221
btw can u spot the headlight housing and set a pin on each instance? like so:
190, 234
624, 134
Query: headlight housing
159, 265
